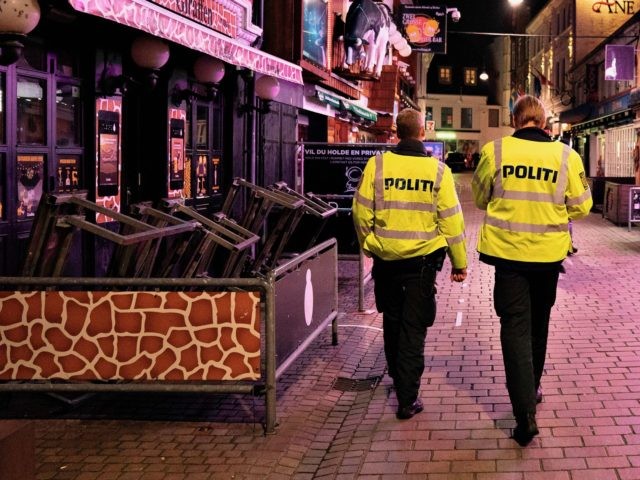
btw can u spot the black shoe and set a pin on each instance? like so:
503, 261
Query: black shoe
404, 413
539, 395
526, 429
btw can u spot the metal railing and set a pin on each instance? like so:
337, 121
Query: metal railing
268, 365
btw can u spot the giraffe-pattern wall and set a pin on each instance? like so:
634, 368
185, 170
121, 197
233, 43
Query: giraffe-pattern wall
176, 336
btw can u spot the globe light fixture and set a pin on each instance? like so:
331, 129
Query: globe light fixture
150, 53
266, 89
17, 19
208, 70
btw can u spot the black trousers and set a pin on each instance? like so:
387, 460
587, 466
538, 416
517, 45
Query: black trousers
405, 294
523, 301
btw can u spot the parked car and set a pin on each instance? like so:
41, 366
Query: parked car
455, 161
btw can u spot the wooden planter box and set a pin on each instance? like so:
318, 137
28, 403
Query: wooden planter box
597, 185
616, 202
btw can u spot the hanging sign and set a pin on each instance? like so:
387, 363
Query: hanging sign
425, 27
314, 38
620, 62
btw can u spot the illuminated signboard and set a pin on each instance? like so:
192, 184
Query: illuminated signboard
620, 62
314, 37
425, 27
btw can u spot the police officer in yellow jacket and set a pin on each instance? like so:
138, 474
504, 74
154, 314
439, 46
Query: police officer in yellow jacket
530, 187
407, 217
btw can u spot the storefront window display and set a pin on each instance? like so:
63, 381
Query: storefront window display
68, 114
31, 111
202, 166
67, 173
30, 180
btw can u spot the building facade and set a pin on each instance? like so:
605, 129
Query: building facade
566, 68
132, 101
148, 100
463, 123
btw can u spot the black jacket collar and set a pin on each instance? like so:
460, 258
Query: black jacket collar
532, 133
410, 146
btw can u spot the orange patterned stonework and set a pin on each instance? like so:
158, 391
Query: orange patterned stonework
172, 336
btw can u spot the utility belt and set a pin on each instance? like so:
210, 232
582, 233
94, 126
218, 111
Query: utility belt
433, 260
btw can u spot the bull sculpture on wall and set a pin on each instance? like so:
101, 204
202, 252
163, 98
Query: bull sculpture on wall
367, 29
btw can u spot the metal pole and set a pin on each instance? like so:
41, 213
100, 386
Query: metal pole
270, 352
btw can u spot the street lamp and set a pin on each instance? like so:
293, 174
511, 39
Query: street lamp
515, 3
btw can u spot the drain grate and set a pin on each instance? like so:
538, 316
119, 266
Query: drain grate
344, 384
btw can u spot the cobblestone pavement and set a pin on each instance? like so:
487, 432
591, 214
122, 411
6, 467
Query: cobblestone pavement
589, 420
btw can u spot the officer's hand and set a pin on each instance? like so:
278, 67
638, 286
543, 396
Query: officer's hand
458, 274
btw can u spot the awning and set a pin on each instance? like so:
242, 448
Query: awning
329, 99
344, 106
577, 114
607, 121
360, 111
163, 23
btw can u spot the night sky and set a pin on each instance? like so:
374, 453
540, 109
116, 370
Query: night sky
489, 15
481, 16
484, 16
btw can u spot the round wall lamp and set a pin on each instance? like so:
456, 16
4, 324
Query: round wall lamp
17, 19
208, 70
150, 53
267, 88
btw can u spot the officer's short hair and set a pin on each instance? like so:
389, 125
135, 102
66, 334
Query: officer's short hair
529, 109
409, 123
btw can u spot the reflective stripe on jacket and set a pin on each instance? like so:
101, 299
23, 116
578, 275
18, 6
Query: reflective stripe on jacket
406, 206
530, 190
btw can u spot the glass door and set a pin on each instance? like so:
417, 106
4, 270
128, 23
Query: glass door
40, 143
203, 151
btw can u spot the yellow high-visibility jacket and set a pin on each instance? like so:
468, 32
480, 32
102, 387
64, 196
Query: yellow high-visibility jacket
406, 206
530, 190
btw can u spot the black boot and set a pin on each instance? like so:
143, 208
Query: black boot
526, 429
406, 412
539, 395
